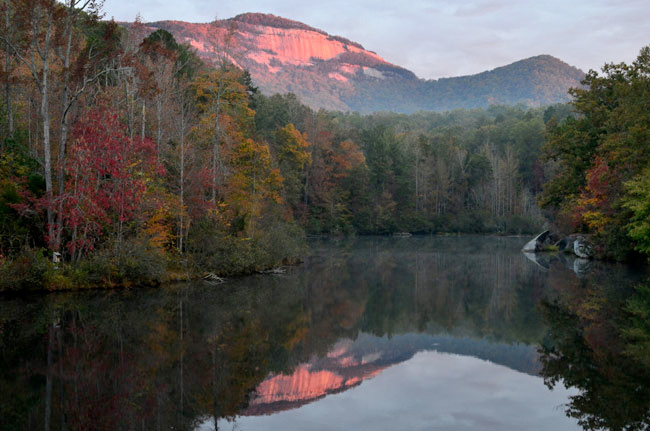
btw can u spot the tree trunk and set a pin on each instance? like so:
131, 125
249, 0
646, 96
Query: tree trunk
144, 119
10, 114
45, 114
182, 179
65, 106
215, 147
158, 126
48, 378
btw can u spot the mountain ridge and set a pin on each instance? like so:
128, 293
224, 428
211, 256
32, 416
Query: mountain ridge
332, 72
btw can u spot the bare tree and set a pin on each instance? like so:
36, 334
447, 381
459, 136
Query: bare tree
69, 96
8, 30
37, 20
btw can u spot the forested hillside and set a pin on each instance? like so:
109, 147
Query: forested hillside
136, 162
334, 73
133, 161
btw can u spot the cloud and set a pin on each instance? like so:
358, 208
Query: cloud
445, 37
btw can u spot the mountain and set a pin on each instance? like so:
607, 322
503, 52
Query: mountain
332, 72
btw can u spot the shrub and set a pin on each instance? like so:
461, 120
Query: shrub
214, 251
31, 269
133, 262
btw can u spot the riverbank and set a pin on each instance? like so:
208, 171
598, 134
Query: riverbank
138, 264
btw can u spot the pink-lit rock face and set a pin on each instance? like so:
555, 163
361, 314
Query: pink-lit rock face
302, 46
303, 384
336, 372
333, 73
338, 77
281, 55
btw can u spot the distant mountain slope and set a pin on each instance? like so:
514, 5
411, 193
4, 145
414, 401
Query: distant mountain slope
535, 81
332, 72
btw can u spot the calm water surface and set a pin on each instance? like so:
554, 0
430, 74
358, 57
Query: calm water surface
421, 333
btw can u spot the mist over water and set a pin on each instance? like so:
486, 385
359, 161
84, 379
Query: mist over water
368, 333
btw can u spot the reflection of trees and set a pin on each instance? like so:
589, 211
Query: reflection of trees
592, 345
466, 286
167, 357
173, 357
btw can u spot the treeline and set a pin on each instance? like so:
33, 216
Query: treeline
130, 158
600, 161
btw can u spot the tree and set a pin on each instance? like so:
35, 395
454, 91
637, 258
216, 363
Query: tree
36, 20
293, 158
604, 147
219, 94
637, 200
108, 173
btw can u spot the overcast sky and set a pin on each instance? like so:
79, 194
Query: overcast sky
440, 38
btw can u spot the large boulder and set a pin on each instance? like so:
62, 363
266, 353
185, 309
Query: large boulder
536, 244
582, 248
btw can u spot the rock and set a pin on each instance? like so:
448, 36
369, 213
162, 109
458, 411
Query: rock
582, 248
538, 259
213, 279
581, 266
565, 244
536, 244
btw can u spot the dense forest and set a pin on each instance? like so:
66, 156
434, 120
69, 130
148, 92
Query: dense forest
132, 161
600, 161
136, 162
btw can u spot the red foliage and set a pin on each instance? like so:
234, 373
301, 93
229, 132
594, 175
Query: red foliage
594, 206
107, 175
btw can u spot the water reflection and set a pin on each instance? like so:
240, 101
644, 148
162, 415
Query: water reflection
598, 343
191, 355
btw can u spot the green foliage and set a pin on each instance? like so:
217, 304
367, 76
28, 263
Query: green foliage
20, 180
30, 269
130, 263
213, 251
637, 200
594, 154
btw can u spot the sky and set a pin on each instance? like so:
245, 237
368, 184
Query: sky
444, 38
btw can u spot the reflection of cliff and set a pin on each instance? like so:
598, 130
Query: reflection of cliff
345, 366
350, 363
308, 383
168, 357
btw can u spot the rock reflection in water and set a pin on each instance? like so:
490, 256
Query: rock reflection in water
177, 356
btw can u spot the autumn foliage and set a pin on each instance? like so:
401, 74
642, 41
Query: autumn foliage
602, 159
107, 176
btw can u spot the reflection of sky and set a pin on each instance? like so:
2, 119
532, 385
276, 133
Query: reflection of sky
430, 391
441, 38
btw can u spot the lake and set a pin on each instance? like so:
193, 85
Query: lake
370, 333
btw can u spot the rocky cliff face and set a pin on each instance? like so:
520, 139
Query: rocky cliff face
286, 56
331, 72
